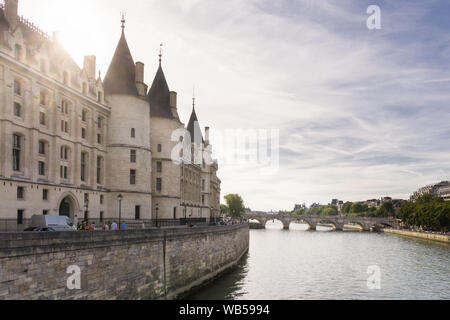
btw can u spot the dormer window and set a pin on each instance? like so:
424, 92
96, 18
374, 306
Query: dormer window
43, 66
18, 52
65, 78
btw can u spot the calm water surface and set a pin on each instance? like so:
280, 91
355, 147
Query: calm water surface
295, 265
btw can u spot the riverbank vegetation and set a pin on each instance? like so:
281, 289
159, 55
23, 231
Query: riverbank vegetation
428, 212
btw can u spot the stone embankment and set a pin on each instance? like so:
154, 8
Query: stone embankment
421, 235
124, 265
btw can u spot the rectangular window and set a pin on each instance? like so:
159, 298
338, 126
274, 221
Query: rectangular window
41, 147
83, 133
42, 98
20, 193
133, 133
203, 199
102, 197
99, 138
133, 156
84, 115
45, 194
101, 216
83, 167
19, 217
42, 118
99, 170
159, 166
17, 109
41, 168
203, 184
159, 184
137, 212
159, 148
132, 177
17, 88
99, 123
16, 152
65, 172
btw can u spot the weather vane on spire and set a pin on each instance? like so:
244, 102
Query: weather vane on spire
160, 53
193, 97
123, 19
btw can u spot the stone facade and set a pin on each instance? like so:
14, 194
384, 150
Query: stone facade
85, 140
124, 265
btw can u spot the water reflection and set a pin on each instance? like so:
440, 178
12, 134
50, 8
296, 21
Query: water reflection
297, 265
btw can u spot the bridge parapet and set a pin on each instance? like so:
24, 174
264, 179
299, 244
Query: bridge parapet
338, 222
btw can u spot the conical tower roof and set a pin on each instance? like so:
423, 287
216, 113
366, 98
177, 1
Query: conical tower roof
194, 126
159, 96
121, 75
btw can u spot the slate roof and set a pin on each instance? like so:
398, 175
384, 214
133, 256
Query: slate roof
159, 96
192, 125
121, 75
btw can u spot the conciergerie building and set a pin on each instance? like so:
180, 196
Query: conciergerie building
73, 144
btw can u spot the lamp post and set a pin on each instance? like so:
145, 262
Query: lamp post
86, 210
120, 198
157, 208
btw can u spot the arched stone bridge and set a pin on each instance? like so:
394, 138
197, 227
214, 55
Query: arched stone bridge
337, 222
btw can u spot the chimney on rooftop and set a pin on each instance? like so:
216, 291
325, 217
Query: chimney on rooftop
89, 66
140, 84
11, 9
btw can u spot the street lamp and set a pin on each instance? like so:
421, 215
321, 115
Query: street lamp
157, 208
86, 210
120, 198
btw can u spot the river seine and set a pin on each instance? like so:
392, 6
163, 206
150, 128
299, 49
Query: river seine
303, 265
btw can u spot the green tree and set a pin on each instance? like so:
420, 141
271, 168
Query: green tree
235, 205
386, 210
347, 207
224, 208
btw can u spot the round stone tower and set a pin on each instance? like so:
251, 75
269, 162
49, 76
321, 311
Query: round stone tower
129, 152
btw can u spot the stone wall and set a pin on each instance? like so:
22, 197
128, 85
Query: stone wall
141, 264
420, 235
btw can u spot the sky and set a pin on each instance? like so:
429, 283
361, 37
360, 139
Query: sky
361, 113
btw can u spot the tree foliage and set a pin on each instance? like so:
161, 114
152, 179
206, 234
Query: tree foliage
235, 205
428, 212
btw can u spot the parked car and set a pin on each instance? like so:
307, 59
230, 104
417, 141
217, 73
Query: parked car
56, 223
39, 229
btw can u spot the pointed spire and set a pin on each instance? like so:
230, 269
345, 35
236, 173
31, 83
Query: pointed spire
121, 75
194, 125
159, 94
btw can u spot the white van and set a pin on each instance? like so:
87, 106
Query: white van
57, 223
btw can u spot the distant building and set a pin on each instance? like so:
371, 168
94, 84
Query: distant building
441, 189
300, 206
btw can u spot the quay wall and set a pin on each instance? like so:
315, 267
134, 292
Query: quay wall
421, 235
124, 265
